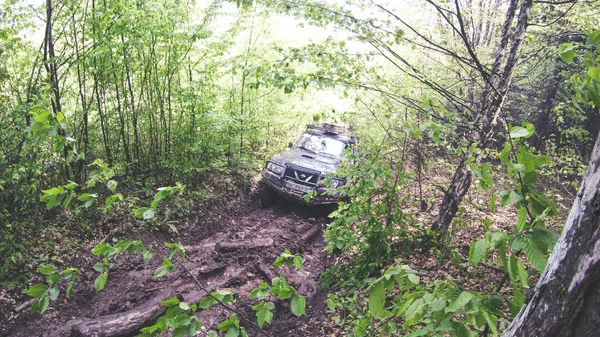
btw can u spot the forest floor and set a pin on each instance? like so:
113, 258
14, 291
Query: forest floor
131, 281
263, 234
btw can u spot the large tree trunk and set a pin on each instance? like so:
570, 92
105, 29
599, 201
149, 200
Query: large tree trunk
566, 300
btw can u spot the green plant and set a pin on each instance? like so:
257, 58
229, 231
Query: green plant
44, 293
179, 318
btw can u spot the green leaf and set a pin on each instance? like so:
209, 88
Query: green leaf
100, 281
111, 185
100, 249
377, 300
460, 329
53, 293
47, 270
263, 316
460, 302
140, 212
147, 255
161, 271
477, 252
567, 52
593, 39
37, 291
415, 312
535, 255
544, 238
492, 205
39, 306
594, 73
207, 302
233, 331
510, 198
170, 302
149, 214
298, 306
298, 262
522, 274
100, 267
519, 132
414, 279
70, 288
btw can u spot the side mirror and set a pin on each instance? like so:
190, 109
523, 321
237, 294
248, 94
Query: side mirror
290, 144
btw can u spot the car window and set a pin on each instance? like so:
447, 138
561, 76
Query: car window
319, 144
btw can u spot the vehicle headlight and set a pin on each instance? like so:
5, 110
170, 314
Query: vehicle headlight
278, 169
337, 182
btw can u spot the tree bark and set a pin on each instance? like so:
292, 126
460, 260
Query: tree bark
491, 102
566, 299
125, 323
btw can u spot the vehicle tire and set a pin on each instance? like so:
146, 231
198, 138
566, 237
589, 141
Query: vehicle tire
266, 196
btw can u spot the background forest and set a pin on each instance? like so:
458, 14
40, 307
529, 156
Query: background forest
121, 120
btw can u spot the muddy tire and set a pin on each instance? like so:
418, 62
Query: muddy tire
266, 196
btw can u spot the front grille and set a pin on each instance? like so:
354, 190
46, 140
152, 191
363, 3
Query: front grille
302, 176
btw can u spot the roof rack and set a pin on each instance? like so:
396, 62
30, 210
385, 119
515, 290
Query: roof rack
329, 128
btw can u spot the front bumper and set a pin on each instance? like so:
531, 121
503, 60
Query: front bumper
278, 184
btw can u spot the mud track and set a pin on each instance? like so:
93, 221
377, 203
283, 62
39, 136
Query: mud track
229, 247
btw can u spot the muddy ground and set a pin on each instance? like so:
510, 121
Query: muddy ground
131, 281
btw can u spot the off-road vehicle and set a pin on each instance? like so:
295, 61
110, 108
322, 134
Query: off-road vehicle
302, 169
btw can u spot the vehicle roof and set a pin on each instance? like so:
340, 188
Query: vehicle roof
339, 137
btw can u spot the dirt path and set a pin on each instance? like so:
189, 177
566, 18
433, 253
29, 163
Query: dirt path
263, 235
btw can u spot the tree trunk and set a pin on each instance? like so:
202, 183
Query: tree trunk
566, 300
491, 102
125, 323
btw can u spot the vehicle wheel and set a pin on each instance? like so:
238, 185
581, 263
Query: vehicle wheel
266, 195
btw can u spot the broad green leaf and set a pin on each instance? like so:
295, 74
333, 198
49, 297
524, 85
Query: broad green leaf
170, 302
519, 132
414, 279
522, 274
233, 331
544, 238
40, 305
149, 214
510, 198
207, 302
100, 249
161, 271
111, 185
263, 316
100, 281
377, 300
147, 255
594, 73
298, 262
298, 306
567, 52
415, 312
460, 329
140, 212
37, 291
593, 39
535, 255
460, 302
477, 252
47, 270
53, 293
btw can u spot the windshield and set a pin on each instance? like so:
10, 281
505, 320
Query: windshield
320, 144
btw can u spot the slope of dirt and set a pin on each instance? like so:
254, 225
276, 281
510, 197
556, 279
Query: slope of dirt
263, 234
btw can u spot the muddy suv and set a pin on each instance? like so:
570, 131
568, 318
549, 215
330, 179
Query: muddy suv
302, 169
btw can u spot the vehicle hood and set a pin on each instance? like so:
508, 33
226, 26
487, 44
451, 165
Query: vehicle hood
307, 159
